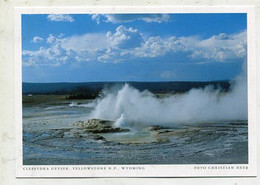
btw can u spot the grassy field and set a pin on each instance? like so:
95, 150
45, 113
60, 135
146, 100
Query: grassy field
42, 98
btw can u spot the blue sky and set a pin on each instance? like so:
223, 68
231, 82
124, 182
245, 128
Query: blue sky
133, 47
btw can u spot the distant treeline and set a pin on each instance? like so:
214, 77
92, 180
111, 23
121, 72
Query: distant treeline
81, 93
90, 90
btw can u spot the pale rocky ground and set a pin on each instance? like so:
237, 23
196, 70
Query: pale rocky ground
100, 142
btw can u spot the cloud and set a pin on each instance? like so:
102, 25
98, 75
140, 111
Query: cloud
125, 38
156, 46
60, 17
91, 42
217, 48
60, 50
37, 39
52, 39
127, 44
122, 18
53, 56
96, 17
221, 48
167, 74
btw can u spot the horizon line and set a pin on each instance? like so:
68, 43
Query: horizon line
135, 81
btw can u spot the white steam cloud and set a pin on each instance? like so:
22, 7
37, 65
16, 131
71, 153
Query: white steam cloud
129, 105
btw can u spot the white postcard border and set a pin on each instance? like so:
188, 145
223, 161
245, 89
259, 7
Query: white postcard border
212, 170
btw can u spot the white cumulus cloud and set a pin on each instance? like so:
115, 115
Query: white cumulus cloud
91, 42
126, 44
217, 48
125, 38
220, 47
37, 39
60, 17
52, 39
121, 18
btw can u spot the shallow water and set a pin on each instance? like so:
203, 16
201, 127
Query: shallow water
54, 114
49, 137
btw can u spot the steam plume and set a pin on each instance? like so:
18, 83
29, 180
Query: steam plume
129, 105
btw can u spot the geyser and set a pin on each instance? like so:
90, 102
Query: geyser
129, 105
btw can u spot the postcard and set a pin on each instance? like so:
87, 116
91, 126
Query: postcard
135, 92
